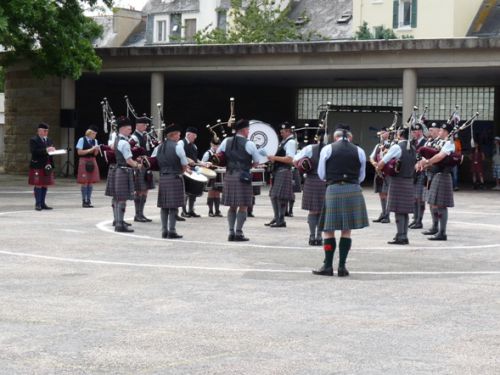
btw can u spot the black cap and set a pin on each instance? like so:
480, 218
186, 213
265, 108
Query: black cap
241, 124
417, 126
172, 128
320, 132
43, 125
123, 121
286, 125
93, 128
143, 120
447, 127
192, 129
433, 126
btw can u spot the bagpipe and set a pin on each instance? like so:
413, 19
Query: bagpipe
305, 164
219, 159
392, 167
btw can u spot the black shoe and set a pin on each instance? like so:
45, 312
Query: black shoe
84, 204
230, 237
417, 226
323, 271
178, 218
289, 214
412, 224
249, 214
456, 189
430, 232
385, 220
45, 207
173, 235
139, 219
270, 223
185, 214
211, 214
193, 214
145, 218
379, 219
319, 242
38, 207
164, 234
398, 242
240, 238
342, 272
89, 204
124, 222
123, 228
438, 237
219, 214
312, 241
278, 225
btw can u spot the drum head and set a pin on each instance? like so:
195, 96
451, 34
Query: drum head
264, 136
196, 176
207, 172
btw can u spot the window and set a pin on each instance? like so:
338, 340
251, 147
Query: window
404, 14
175, 26
190, 29
222, 20
161, 31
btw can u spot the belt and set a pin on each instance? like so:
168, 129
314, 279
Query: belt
341, 182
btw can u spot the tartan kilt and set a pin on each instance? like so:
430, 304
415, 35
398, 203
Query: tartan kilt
401, 195
281, 187
84, 177
297, 181
380, 184
235, 192
143, 179
313, 197
419, 186
211, 185
120, 184
171, 191
110, 181
496, 171
441, 191
344, 208
39, 177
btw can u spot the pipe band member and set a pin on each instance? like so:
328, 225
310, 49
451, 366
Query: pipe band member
440, 195
173, 163
381, 182
342, 165
401, 190
144, 178
432, 140
41, 173
241, 155
191, 152
282, 186
87, 149
213, 196
419, 140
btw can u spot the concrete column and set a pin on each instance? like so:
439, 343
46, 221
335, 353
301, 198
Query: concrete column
68, 94
409, 92
157, 87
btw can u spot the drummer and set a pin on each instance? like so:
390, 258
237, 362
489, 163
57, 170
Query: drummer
240, 155
213, 198
282, 190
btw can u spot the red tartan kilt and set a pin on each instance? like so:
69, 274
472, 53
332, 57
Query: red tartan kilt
85, 177
38, 177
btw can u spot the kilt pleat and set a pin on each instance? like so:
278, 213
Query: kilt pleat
344, 208
313, 196
84, 177
441, 191
419, 186
120, 184
141, 182
171, 191
39, 177
110, 180
282, 186
380, 184
401, 195
236, 193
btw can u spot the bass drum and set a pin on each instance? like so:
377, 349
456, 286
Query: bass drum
264, 137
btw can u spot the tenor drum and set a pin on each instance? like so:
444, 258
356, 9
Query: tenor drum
194, 183
264, 137
207, 172
258, 176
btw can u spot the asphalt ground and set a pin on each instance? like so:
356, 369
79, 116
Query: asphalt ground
78, 298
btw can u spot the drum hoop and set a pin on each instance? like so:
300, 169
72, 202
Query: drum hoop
196, 177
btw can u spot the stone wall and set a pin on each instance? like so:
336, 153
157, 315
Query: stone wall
29, 101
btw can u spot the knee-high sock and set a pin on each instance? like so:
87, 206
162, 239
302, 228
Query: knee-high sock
164, 219
241, 216
210, 203
120, 212
383, 204
290, 206
172, 219
185, 204
406, 222
90, 188
443, 219
217, 204
416, 207
137, 204
400, 223
344, 247
114, 206
44, 194
282, 204
192, 199
329, 245
231, 219
435, 218
312, 220
143, 203
276, 209
83, 190
38, 195
421, 212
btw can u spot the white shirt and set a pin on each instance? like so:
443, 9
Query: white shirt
290, 146
325, 154
306, 152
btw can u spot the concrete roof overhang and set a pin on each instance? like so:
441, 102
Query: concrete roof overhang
439, 62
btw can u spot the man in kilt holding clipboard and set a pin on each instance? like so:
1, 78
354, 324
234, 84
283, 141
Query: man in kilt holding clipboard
342, 165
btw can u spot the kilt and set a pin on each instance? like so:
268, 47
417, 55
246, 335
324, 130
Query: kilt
496, 171
39, 177
211, 185
419, 186
441, 191
401, 195
296, 180
235, 192
380, 184
171, 191
143, 180
344, 208
120, 184
282, 185
476, 167
313, 197
110, 181
256, 190
84, 177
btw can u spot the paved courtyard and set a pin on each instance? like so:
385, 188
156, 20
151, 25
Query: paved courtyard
78, 298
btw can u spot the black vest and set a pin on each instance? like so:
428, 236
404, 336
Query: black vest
168, 160
314, 160
407, 160
236, 155
190, 150
87, 145
120, 159
281, 152
142, 140
343, 164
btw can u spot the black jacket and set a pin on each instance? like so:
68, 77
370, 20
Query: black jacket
39, 156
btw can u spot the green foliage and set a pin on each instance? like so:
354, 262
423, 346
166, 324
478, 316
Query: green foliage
53, 36
261, 22
363, 32
2, 80
380, 32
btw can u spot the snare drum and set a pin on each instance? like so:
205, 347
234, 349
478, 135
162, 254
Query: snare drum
194, 183
258, 178
219, 179
207, 172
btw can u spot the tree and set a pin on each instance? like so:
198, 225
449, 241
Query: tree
380, 32
53, 36
262, 21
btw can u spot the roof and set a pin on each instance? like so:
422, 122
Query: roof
487, 21
171, 6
